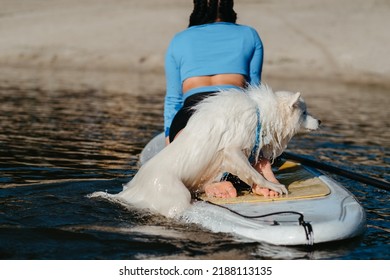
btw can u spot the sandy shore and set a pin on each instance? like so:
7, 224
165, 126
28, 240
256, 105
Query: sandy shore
120, 45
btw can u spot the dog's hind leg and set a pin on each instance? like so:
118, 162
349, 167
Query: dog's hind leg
237, 163
167, 196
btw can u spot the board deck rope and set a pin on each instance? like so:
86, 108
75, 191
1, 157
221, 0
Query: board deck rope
306, 225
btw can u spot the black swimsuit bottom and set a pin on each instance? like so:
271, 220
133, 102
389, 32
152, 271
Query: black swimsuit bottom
183, 115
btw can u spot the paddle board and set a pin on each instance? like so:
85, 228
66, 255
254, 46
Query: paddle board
316, 210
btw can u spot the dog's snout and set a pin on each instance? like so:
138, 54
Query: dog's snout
319, 122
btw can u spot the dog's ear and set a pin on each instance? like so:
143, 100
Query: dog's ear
295, 99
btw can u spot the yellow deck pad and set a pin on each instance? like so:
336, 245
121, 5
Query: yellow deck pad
301, 184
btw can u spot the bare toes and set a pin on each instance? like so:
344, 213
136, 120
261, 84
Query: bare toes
264, 191
220, 190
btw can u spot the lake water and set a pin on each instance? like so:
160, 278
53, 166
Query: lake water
56, 147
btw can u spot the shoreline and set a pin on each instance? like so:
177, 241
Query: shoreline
69, 44
153, 81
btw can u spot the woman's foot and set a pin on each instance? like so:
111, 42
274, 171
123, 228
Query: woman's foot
222, 189
264, 167
264, 191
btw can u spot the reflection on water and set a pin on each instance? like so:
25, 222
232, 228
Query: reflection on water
66, 135
58, 146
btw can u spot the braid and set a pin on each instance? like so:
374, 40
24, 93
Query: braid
207, 11
226, 11
199, 12
212, 11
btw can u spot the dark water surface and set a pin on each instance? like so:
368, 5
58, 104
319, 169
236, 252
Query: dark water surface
58, 146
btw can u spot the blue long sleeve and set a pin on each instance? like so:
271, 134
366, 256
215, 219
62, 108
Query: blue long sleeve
174, 96
256, 63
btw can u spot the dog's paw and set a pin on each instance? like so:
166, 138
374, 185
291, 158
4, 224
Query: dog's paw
279, 188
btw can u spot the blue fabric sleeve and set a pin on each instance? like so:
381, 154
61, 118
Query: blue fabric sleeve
174, 97
256, 64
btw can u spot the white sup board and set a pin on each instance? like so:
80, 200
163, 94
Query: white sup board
316, 210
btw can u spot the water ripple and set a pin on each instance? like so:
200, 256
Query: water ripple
72, 134
58, 146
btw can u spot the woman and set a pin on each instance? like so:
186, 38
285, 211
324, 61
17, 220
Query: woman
213, 53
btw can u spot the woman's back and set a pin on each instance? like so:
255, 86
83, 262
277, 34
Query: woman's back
217, 48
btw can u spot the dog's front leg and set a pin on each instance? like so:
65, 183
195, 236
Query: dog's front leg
237, 163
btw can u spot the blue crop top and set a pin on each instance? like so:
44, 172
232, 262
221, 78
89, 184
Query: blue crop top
209, 49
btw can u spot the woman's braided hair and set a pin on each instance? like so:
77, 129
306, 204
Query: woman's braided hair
207, 11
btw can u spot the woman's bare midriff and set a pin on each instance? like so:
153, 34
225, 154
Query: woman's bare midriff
220, 79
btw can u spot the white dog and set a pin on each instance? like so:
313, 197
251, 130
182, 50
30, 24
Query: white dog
219, 137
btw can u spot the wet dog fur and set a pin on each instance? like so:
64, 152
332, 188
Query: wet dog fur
219, 137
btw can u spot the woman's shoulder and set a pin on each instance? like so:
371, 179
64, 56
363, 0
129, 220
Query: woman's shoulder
223, 27
241, 29
250, 31
215, 26
248, 28
182, 34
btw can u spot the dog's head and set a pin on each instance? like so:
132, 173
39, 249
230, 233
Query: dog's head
294, 110
283, 114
